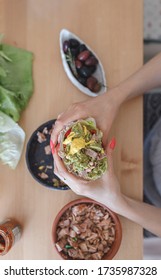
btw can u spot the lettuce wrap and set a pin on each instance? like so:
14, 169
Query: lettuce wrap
81, 149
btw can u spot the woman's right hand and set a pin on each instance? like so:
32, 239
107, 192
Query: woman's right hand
102, 108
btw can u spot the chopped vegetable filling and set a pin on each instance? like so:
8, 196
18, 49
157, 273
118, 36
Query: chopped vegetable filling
81, 149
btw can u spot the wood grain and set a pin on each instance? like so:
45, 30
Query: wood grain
113, 29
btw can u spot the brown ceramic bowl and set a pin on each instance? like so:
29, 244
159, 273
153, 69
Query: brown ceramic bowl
117, 225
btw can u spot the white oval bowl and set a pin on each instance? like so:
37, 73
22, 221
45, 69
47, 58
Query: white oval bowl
99, 74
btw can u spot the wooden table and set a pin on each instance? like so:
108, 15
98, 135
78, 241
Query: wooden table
114, 30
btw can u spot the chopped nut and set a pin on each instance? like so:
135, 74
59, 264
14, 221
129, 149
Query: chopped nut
45, 130
43, 175
55, 182
40, 137
47, 150
49, 167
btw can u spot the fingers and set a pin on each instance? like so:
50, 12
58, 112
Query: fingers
52, 146
54, 135
59, 116
72, 181
73, 113
62, 119
110, 148
58, 175
61, 171
59, 168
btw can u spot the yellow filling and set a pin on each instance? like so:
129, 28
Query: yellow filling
77, 143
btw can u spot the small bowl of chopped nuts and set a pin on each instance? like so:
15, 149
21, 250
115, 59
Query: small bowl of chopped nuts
39, 158
85, 229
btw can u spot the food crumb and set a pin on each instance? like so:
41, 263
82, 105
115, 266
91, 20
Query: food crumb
45, 130
47, 150
41, 137
49, 167
43, 175
41, 167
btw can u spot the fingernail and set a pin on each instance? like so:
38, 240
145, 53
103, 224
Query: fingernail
112, 143
52, 146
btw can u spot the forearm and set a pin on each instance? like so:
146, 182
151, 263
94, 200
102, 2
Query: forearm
146, 78
148, 216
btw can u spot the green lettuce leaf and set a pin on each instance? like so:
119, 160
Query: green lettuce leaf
9, 103
18, 81
2, 72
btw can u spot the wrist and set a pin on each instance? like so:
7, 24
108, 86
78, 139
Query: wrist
124, 91
116, 96
117, 203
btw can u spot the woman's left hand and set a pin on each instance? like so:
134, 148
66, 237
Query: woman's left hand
105, 190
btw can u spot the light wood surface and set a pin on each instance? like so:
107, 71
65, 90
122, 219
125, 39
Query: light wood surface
113, 29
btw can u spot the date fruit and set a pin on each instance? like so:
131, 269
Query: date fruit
97, 87
83, 55
91, 82
91, 61
78, 64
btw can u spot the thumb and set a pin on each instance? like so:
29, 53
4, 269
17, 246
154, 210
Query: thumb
109, 152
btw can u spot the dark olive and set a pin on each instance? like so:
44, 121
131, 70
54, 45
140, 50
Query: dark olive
92, 68
85, 72
78, 64
84, 55
74, 43
83, 81
82, 47
74, 52
92, 60
65, 46
91, 82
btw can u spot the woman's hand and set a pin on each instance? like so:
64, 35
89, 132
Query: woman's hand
105, 190
102, 108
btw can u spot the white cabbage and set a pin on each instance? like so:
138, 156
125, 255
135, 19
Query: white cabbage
12, 139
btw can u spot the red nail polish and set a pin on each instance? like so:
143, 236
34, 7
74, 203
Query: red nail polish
52, 146
112, 144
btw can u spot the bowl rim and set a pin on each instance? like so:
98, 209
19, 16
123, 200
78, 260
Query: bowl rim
118, 227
